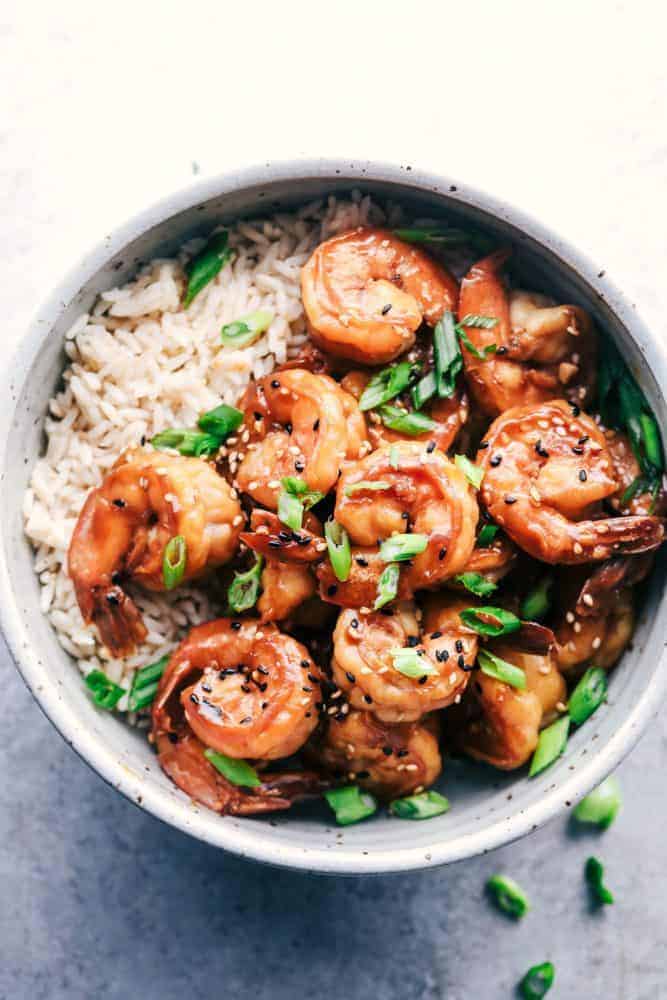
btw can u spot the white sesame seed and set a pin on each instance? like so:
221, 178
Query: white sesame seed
569, 617
588, 600
577, 549
577, 627
597, 642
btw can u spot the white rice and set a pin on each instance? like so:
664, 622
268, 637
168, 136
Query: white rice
139, 363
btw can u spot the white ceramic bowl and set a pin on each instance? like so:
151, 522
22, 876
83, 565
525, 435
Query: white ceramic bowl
488, 809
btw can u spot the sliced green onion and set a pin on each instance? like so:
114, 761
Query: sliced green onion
602, 805
350, 804
399, 548
638, 485
385, 385
387, 586
482, 354
105, 693
243, 591
145, 684
423, 391
413, 424
173, 561
187, 442
490, 620
501, 670
221, 421
203, 268
366, 484
476, 584
473, 473
447, 355
623, 405
425, 805
536, 603
508, 896
394, 456
340, 555
299, 488
588, 695
239, 772
247, 329
411, 663
433, 234
290, 510
594, 871
487, 535
537, 982
550, 745
481, 322
651, 436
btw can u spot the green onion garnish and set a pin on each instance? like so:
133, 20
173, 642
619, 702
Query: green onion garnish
340, 555
640, 484
476, 584
105, 693
423, 391
425, 805
387, 586
350, 804
501, 670
624, 406
290, 510
433, 234
187, 442
651, 437
299, 488
366, 484
243, 591
588, 695
399, 548
536, 603
487, 535
394, 456
490, 620
413, 423
206, 265
481, 322
470, 347
247, 329
602, 805
447, 355
173, 561
537, 982
237, 771
550, 745
385, 385
221, 421
508, 896
411, 663
594, 872
145, 684
473, 473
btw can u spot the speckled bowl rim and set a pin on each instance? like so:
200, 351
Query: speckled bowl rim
255, 843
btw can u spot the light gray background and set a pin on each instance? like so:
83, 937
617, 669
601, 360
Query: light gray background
559, 108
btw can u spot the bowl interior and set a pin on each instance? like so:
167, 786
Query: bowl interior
488, 808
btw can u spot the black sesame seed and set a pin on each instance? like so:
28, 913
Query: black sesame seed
401, 753
248, 719
458, 645
577, 449
461, 660
542, 452
245, 688
387, 751
173, 738
311, 677
305, 664
442, 655
354, 623
331, 590
575, 410
284, 536
316, 425
582, 475
423, 679
299, 466
143, 442
583, 439
368, 699
263, 670
430, 447
510, 499
436, 635
288, 427
116, 577
118, 502
275, 543
442, 553
275, 384
194, 699
258, 416
113, 600
305, 688
350, 676
207, 688
236, 626
496, 460
501, 350
413, 641
363, 774
386, 309
483, 445
262, 686
360, 561
405, 515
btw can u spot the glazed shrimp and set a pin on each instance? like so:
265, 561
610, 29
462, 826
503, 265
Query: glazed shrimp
297, 424
543, 350
285, 587
363, 659
388, 760
493, 561
125, 524
546, 468
245, 690
366, 293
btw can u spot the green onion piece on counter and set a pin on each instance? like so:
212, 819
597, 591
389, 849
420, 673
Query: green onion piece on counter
290, 510
145, 684
508, 896
239, 772
481, 322
594, 872
550, 745
447, 355
476, 584
487, 536
411, 663
367, 485
490, 620
187, 442
247, 329
385, 385
588, 695
173, 561
243, 591
602, 805
399, 548
105, 693
411, 423
338, 544
501, 670
350, 804
470, 347
208, 263
536, 603
537, 982
394, 456
425, 805
423, 391
473, 473
221, 421
387, 586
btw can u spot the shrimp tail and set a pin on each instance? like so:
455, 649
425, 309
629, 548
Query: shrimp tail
594, 540
603, 585
116, 616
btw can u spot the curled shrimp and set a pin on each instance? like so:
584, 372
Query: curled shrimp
389, 760
366, 293
363, 661
543, 350
296, 424
546, 468
125, 524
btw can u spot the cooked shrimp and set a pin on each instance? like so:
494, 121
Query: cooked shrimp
366, 293
244, 690
363, 661
297, 424
388, 760
493, 561
271, 538
285, 587
125, 524
543, 350
546, 468
628, 471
